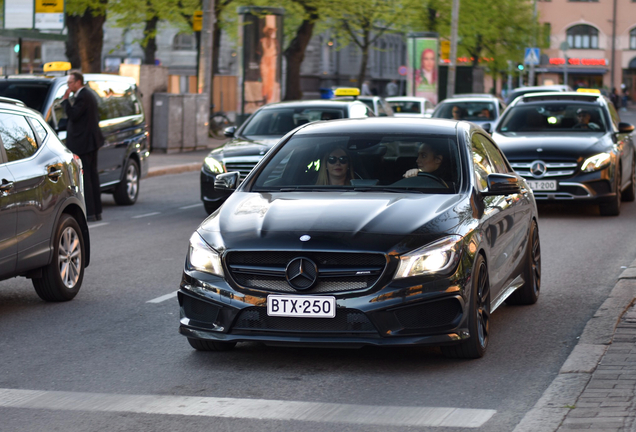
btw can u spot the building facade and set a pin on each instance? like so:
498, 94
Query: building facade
582, 46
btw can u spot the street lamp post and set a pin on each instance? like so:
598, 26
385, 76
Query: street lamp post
452, 66
565, 47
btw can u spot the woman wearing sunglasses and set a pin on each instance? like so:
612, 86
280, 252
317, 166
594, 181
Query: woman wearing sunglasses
335, 168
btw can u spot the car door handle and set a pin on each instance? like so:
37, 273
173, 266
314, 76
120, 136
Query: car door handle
6, 186
54, 174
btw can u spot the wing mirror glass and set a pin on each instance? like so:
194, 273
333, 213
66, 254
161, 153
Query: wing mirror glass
229, 131
502, 184
227, 181
625, 127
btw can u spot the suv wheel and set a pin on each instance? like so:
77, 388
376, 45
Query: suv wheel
62, 278
613, 208
128, 189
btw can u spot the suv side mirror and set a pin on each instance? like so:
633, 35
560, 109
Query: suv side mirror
227, 181
502, 184
229, 131
625, 127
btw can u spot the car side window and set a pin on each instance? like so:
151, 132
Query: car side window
40, 130
381, 111
481, 163
497, 160
614, 115
58, 109
17, 137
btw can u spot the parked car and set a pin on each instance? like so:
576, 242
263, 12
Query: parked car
122, 161
260, 132
547, 141
382, 259
483, 110
43, 235
520, 91
409, 106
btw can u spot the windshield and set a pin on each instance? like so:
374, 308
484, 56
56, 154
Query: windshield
33, 94
471, 111
277, 122
364, 162
553, 117
405, 107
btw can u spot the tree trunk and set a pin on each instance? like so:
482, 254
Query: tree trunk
88, 37
295, 54
363, 66
151, 42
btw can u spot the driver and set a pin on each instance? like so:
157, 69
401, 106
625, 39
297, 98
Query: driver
583, 118
428, 161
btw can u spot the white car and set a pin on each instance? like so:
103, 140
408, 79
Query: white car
409, 106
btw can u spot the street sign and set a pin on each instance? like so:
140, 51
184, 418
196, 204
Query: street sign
197, 21
532, 56
445, 47
402, 70
49, 14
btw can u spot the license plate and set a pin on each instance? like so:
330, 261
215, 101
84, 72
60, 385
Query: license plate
301, 306
542, 185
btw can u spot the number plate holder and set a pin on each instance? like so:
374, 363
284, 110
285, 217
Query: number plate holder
301, 306
542, 185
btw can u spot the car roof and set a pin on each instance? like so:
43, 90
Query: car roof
312, 102
469, 99
557, 87
560, 96
472, 95
16, 105
383, 125
49, 79
406, 98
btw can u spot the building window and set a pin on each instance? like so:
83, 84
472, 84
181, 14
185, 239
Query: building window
582, 36
184, 42
632, 39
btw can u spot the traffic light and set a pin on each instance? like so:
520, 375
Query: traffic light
16, 48
520, 66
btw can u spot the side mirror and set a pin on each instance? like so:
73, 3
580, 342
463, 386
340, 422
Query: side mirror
487, 127
229, 131
227, 181
502, 184
625, 128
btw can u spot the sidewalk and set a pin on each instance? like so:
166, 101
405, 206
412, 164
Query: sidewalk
174, 163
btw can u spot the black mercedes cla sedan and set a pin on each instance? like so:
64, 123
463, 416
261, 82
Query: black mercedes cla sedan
43, 230
570, 146
382, 231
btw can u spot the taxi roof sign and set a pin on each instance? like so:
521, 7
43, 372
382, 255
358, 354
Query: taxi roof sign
58, 66
347, 91
588, 90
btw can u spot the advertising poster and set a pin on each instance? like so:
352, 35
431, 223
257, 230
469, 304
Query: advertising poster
262, 61
422, 68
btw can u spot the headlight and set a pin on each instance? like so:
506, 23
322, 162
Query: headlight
213, 165
436, 257
596, 162
203, 258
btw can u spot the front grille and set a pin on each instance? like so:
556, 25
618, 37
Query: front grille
345, 321
429, 315
337, 272
244, 166
553, 169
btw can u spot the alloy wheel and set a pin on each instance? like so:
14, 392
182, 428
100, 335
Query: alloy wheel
69, 257
132, 181
483, 305
536, 261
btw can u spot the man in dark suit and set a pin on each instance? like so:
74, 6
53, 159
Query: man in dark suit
84, 138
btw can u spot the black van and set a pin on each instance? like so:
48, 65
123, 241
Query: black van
122, 160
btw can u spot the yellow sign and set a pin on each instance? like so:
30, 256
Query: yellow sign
197, 21
444, 50
347, 91
56, 66
587, 90
49, 6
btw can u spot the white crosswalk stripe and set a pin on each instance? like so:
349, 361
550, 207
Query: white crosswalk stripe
247, 408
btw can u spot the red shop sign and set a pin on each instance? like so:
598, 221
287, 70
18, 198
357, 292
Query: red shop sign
578, 61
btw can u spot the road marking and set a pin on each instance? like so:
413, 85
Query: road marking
259, 409
190, 206
146, 215
95, 225
163, 298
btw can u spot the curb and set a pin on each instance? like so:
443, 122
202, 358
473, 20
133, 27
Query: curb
174, 169
562, 394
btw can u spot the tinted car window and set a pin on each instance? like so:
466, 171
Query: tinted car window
552, 117
115, 99
279, 121
33, 94
406, 107
497, 160
470, 111
40, 130
481, 162
17, 137
371, 161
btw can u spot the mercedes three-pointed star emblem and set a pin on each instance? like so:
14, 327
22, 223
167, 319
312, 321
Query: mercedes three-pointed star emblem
301, 273
538, 169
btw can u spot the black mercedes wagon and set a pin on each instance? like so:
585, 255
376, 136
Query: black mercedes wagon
365, 232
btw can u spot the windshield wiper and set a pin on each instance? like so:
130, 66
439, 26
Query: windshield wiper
383, 189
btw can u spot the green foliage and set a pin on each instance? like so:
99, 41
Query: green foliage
79, 7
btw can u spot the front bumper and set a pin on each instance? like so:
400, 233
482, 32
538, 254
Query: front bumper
595, 187
432, 313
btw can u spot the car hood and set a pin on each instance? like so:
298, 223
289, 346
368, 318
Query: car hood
384, 222
551, 146
242, 146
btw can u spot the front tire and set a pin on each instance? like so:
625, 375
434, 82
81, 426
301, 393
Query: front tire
528, 293
629, 194
208, 345
613, 208
127, 190
62, 278
478, 316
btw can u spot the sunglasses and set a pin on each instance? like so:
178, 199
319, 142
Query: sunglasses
342, 159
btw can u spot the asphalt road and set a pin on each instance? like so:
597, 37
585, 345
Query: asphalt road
111, 341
